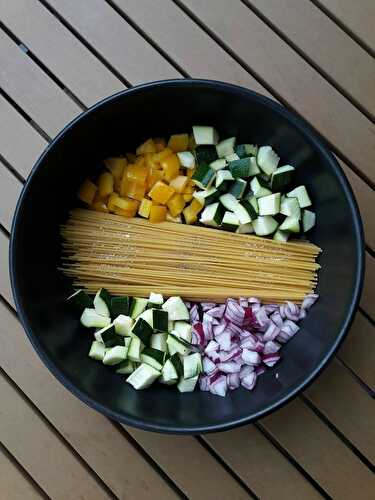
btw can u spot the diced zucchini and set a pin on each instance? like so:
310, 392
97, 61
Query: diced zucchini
269, 205
153, 357
156, 298
187, 159
229, 201
143, 376
212, 215
170, 325
290, 207
245, 150
281, 177
218, 164
115, 355
230, 222
176, 309
267, 159
159, 341
97, 351
225, 147
213, 196
242, 214
102, 302
259, 188
147, 315
107, 336
120, 305
254, 169
192, 365
137, 306
282, 236
238, 188
253, 202
302, 196
240, 168
91, 319
245, 228
169, 375
160, 320
183, 330
142, 330
290, 224
187, 385
308, 220
264, 225
80, 301
178, 345
135, 349
223, 176
205, 135
126, 367
203, 176
177, 363
249, 208
232, 157
123, 325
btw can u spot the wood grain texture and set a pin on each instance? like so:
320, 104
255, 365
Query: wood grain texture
5, 288
13, 483
325, 44
93, 436
358, 17
115, 40
59, 50
320, 452
27, 437
292, 78
35, 92
10, 191
358, 350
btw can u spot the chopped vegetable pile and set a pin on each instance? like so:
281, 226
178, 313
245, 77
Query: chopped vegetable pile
235, 187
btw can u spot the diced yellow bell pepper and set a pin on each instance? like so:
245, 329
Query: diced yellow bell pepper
116, 166
171, 167
111, 201
190, 215
145, 208
160, 143
99, 206
176, 204
158, 157
190, 172
134, 190
150, 162
189, 188
117, 185
187, 197
140, 161
196, 206
124, 213
101, 199
178, 142
170, 218
158, 213
87, 191
137, 173
161, 192
146, 147
126, 204
179, 183
131, 157
153, 177
105, 184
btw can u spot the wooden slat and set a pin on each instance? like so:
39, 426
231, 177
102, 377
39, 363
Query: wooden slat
358, 350
358, 17
203, 58
272, 477
325, 44
10, 191
292, 78
114, 39
32, 89
59, 50
207, 476
12, 127
350, 409
37, 448
96, 440
368, 294
5, 289
320, 452
14, 484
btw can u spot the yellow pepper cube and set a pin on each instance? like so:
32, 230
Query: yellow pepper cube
134, 190
131, 157
105, 184
101, 199
137, 173
196, 206
190, 172
99, 206
126, 204
190, 215
176, 204
117, 185
189, 188
161, 192
179, 183
146, 147
158, 213
87, 191
150, 162
153, 177
116, 166
178, 142
145, 208
111, 201
187, 197
160, 143
124, 213
161, 155
171, 167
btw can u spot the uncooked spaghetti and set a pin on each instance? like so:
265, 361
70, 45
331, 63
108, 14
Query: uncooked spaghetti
132, 257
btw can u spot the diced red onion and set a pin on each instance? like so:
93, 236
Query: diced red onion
224, 340
194, 314
206, 306
187, 304
243, 301
260, 369
249, 381
229, 367
291, 311
271, 359
302, 314
214, 356
213, 377
217, 329
208, 365
259, 346
212, 346
270, 308
219, 387
207, 330
204, 384
245, 371
198, 330
253, 300
271, 333
255, 307
270, 347
233, 381
249, 343
277, 319
251, 357
309, 300
217, 312
234, 312
261, 317
233, 353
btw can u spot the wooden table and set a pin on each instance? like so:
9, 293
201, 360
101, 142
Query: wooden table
57, 57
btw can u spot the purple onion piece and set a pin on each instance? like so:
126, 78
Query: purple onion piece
233, 381
249, 381
251, 357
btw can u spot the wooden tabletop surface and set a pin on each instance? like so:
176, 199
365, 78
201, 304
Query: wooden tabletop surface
58, 57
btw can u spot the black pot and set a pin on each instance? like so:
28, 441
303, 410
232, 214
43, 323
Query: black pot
118, 124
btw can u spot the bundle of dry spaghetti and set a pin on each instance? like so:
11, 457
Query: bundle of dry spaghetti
135, 257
